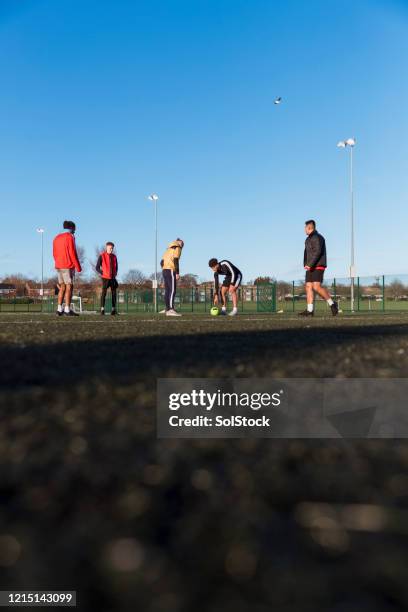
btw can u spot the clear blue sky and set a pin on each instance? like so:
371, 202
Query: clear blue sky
103, 102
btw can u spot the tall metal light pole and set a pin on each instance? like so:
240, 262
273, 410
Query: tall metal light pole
154, 198
40, 230
350, 142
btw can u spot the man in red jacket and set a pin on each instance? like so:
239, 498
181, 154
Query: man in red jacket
66, 262
107, 267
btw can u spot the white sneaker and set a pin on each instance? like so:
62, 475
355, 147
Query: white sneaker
162, 311
233, 312
172, 313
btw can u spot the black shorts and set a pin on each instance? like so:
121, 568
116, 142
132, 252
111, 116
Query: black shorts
314, 276
110, 282
227, 282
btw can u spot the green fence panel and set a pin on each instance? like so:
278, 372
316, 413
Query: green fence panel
266, 297
382, 293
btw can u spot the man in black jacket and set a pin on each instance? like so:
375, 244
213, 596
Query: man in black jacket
315, 263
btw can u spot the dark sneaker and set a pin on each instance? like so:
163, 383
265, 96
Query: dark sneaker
102, 312
59, 314
114, 313
334, 308
306, 313
223, 313
71, 313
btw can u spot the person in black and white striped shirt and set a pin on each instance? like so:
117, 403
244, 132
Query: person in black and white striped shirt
232, 280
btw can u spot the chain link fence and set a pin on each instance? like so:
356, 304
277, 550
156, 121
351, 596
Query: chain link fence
386, 293
383, 293
192, 299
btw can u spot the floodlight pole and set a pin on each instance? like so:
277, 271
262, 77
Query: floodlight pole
155, 256
154, 198
343, 144
352, 268
41, 231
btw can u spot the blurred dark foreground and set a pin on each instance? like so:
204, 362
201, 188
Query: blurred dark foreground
93, 502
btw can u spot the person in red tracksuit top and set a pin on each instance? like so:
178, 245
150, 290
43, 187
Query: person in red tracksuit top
107, 267
66, 262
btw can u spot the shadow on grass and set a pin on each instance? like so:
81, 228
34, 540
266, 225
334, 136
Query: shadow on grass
136, 357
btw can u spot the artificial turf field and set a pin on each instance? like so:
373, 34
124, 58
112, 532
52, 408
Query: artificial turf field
92, 501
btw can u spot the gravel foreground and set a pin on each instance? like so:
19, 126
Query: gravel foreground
93, 502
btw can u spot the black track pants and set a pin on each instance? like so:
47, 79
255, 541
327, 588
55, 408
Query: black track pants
106, 283
170, 286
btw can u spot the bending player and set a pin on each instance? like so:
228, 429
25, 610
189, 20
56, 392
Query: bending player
232, 281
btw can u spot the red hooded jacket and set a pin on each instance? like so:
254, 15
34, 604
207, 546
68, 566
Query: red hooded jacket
107, 265
64, 251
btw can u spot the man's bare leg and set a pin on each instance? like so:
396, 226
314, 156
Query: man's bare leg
309, 296
308, 312
224, 291
60, 300
61, 294
322, 291
234, 296
68, 295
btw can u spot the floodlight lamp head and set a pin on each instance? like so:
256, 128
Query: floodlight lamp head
153, 197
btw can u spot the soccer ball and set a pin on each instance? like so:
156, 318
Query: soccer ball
214, 311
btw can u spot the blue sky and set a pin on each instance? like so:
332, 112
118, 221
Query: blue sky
104, 102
